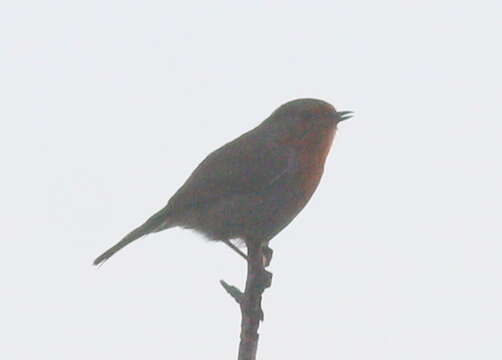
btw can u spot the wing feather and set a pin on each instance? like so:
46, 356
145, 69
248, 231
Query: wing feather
250, 163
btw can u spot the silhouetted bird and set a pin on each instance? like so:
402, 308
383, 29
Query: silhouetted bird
255, 185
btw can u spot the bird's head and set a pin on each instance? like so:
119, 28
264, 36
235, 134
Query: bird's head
299, 117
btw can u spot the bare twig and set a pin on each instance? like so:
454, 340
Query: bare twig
258, 279
232, 291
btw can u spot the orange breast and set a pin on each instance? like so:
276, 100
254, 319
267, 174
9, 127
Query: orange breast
313, 150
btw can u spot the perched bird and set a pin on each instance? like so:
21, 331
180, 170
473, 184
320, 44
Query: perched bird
254, 186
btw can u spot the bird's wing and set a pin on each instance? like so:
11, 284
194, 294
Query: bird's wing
250, 163
247, 164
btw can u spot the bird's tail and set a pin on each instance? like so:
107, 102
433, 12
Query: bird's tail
156, 223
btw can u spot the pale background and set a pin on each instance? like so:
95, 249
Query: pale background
107, 106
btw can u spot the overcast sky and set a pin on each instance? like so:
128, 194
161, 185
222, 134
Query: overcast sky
107, 106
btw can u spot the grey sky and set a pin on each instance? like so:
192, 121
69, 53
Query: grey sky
106, 107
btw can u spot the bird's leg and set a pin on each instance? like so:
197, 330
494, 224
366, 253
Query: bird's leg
235, 248
267, 252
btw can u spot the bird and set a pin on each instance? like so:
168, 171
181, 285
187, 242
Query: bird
252, 187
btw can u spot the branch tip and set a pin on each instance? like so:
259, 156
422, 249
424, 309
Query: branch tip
232, 291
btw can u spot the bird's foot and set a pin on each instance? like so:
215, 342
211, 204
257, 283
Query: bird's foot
267, 255
264, 279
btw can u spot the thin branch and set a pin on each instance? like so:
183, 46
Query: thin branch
258, 279
232, 291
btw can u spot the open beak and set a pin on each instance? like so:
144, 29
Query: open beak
344, 115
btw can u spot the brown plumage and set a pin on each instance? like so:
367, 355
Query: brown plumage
255, 185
